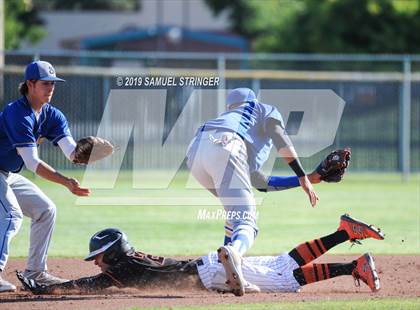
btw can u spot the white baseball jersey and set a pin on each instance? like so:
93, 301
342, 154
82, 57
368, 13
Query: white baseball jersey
270, 273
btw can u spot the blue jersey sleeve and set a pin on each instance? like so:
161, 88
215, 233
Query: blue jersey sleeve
271, 112
19, 126
57, 126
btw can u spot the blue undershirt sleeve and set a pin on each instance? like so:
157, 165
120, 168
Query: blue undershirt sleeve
278, 183
264, 183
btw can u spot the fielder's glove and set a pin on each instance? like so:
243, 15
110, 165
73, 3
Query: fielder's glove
32, 285
90, 149
333, 167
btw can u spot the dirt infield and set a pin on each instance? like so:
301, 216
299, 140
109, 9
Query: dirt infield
400, 277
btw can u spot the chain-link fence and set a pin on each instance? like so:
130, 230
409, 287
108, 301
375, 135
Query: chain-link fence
381, 119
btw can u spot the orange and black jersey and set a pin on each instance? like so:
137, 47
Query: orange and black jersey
135, 269
140, 269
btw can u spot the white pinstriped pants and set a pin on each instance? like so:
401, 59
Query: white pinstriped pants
270, 273
18, 197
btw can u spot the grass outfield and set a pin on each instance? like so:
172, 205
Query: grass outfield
382, 304
285, 218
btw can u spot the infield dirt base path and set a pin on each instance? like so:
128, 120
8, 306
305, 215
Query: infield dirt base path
399, 275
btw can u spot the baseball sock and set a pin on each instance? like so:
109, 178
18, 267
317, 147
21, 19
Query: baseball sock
306, 252
228, 233
317, 272
227, 240
243, 239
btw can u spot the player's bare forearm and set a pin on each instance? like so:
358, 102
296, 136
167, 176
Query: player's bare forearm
309, 190
290, 156
47, 172
288, 153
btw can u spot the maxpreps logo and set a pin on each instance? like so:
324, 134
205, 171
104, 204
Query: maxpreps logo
220, 214
140, 114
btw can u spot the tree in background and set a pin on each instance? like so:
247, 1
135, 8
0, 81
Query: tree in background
240, 12
105, 5
22, 23
330, 26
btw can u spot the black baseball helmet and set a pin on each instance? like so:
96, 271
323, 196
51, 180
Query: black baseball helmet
112, 242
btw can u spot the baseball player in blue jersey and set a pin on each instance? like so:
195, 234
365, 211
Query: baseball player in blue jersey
223, 156
24, 123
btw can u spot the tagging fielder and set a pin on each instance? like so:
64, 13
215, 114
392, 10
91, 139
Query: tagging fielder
225, 157
122, 266
24, 124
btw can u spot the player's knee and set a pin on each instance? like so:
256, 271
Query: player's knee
49, 212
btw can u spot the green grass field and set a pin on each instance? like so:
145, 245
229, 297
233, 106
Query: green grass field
390, 303
285, 218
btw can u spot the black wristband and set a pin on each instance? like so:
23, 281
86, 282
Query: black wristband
297, 168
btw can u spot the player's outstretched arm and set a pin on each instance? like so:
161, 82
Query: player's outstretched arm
82, 285
331, 169
47, 172
35, 164
276, 131
289, 155
264, 183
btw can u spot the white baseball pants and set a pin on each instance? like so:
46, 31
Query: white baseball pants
218, 160
18, 197
270, 273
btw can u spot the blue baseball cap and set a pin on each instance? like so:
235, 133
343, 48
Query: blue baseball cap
41, 70
239, 95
